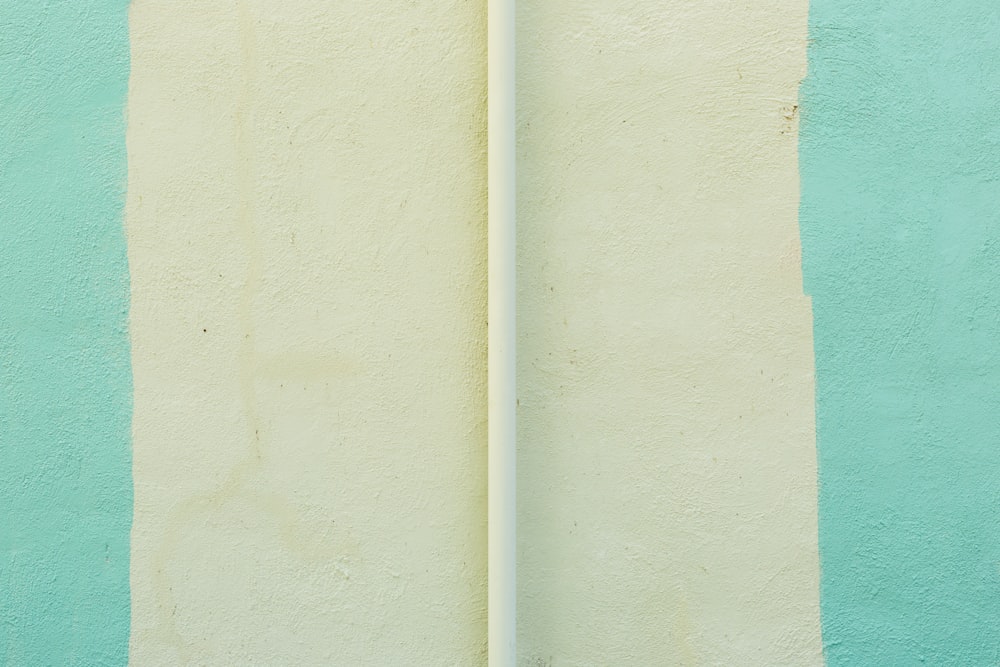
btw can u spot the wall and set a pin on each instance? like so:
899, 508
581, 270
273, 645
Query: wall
65, 382
667, 448
900, 156
306, 239
242, 333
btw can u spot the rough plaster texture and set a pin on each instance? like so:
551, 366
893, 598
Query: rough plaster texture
306, 228
667, 489
900, 162
65, 383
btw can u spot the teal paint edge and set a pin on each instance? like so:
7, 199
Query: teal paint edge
900, 224
65, 374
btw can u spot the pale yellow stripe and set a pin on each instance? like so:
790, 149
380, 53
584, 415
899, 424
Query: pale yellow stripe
307, 245
667, 445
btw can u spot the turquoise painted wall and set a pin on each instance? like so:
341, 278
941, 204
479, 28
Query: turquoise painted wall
900, 218
65, 379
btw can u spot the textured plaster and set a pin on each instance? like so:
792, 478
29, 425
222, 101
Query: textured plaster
900, 162
667, 479
307, 243
65, 384
305, 227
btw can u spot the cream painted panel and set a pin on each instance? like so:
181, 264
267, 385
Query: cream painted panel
307, 246
667, 489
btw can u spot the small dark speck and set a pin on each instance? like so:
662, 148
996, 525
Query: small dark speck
204, 330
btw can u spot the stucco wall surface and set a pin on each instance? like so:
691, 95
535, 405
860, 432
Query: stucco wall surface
900, 190
667, 474
306, 229
303, 236
65, 382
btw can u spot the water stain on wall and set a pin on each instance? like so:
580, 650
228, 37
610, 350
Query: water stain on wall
309, 431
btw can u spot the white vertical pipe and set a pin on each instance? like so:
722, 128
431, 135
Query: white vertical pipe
501, 335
